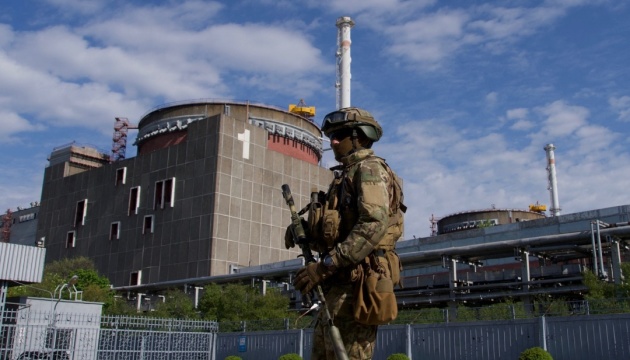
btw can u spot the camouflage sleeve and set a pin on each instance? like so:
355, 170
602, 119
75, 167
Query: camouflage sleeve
371, 184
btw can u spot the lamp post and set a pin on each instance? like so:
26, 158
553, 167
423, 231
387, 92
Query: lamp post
73, 280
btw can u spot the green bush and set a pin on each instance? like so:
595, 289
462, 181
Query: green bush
292, 356
399, 356
535, 353
232, 357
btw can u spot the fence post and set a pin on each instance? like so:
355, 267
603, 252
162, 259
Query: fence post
213, 345
408, 341
301, 346
543, 332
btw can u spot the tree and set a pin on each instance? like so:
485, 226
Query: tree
598, 289
235, 302
176, 305
94, 286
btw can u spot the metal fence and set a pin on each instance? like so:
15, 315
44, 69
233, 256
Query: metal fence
30, 336
26, 334
572, 338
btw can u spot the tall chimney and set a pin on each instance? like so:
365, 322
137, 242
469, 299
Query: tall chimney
553, 182
342, 85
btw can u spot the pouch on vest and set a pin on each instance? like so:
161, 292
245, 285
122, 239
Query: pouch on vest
315, 216
331, 218
374, 299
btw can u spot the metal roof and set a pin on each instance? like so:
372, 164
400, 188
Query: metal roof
21, 262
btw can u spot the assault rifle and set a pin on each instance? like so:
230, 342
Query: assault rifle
300, 239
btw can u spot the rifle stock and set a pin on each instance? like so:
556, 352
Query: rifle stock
300, 238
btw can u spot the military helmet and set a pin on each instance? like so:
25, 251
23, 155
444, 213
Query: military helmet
352, 117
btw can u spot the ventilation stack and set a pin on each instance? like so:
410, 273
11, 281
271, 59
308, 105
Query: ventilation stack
553, 182
342, 85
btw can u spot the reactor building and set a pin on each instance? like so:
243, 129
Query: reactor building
202, 197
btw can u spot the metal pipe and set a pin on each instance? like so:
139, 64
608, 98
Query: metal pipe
595, 266
525, 273
501, 248
344, 24
600, 251
426, 258
615, 260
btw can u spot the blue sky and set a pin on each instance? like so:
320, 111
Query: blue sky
468, 92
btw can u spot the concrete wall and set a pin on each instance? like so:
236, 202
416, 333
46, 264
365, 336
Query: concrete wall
227, 210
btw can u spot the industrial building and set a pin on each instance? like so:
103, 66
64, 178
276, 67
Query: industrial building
201, 198
19, 226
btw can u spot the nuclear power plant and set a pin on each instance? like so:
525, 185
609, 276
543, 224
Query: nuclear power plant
201, 203
201, 198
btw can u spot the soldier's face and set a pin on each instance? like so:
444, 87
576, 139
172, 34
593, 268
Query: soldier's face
341, 143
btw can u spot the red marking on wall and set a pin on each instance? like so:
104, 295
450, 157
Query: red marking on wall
292, 147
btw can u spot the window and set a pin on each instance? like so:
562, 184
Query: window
135, 278
79, 217
114, 231
134, 200
164, 194
147, 228
121, 176
226, 110
71, 239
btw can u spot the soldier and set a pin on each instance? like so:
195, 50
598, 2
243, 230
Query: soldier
362, 216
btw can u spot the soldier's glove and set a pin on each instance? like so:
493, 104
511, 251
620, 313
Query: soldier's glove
309, 276
288, 238
312, 274
289, 242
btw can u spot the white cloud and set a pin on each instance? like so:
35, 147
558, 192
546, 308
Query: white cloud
122, 65
492, 98
421, 35
27, 91
374, 7
429, 38
522, 125
12, 123
79, 6
447, 169
621, 105
520, 113
562, 119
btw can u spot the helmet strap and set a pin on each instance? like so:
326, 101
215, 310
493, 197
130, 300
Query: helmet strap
355, 140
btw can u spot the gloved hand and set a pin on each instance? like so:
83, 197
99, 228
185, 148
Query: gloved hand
289, 242
288, 238
309, 276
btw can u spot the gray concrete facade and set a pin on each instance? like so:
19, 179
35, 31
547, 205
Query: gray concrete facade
205, 206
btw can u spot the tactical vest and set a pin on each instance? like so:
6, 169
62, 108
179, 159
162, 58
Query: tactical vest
339, 214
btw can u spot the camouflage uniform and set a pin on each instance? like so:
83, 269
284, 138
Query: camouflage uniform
363, 192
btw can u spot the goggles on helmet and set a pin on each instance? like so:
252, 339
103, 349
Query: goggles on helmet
337, 117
